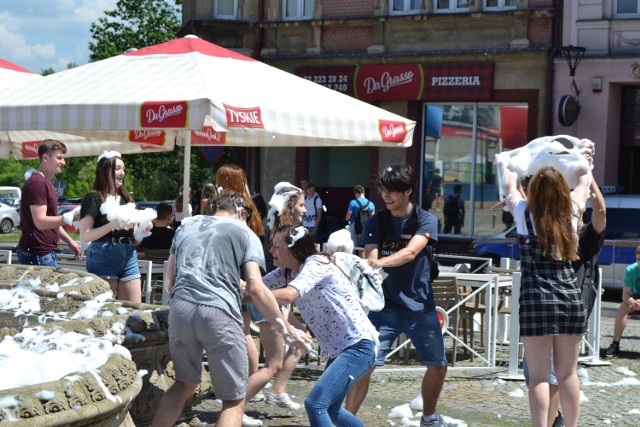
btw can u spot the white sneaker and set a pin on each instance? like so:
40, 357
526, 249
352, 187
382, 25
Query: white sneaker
258, 397
438, 422
282, 400
247, 421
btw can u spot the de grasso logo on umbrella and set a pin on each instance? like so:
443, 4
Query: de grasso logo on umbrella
147, 136
30, 149
244, 117
207, 136
164, 114
392, 131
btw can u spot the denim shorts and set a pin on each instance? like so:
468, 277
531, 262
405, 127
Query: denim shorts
422, 328
47, 260
113, 261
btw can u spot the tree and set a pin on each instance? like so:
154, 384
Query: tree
134, 24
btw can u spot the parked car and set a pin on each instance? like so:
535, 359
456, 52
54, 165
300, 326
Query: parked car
10, 195
9, 218
622, 238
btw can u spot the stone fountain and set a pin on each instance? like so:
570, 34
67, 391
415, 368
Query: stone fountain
125, 390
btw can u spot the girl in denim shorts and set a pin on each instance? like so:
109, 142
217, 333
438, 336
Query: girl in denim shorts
112, 254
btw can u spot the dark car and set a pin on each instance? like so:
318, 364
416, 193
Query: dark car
622, 238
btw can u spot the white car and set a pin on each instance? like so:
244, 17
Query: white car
9, 218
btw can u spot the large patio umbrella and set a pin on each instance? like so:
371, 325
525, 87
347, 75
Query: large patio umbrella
190, 85
24, 144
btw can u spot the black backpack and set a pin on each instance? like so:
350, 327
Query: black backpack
409, 230
364, 214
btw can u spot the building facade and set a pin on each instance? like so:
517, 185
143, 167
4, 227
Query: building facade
476, 76
607, 80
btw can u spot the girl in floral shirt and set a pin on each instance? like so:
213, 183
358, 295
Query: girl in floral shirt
330, 307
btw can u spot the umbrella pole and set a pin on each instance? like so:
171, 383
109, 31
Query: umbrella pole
186, 172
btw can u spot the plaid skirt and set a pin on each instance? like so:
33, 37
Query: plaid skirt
550, 300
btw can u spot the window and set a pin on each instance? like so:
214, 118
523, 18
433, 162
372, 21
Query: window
401, 7
627, 8
225, 9
443, 6
499, 4
460, 142
297, 9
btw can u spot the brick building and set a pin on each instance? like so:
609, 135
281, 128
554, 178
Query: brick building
476, 76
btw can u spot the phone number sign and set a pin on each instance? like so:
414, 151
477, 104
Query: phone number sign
337, 78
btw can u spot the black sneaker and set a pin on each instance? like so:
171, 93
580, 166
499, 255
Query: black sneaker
613, 350
559, 421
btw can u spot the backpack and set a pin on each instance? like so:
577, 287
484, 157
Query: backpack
363, 215
367, 283
409, 230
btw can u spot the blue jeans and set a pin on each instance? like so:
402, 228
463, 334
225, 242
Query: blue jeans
47, 260
324, 402
422, 328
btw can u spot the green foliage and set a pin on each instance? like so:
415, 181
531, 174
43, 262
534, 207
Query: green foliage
12, 171
79, 173
159, 176
47, 71
134, 24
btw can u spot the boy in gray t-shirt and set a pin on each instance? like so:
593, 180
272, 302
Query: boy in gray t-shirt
207, 257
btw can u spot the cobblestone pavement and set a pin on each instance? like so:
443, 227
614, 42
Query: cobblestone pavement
476, 397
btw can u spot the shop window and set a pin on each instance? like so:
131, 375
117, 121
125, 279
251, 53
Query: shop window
403, 7
226, 9
448, 6
297, 9
627, 8
499, 4
460, 143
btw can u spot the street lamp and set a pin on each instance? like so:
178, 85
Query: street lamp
573, 55
568, 107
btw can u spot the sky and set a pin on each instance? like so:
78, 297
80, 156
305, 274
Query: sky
39, 34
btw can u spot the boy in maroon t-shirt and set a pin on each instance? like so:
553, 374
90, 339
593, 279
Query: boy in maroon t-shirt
41, 225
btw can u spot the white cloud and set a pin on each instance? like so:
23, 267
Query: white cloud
38, 34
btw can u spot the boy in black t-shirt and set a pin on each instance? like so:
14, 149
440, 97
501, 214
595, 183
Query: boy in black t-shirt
161, 233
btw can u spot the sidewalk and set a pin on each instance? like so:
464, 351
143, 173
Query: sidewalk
476, 397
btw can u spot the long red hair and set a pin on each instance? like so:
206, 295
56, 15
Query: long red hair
551, 206
232, 177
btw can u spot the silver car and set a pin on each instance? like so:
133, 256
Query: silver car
9, 218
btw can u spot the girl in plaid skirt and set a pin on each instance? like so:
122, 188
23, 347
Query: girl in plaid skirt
551, 307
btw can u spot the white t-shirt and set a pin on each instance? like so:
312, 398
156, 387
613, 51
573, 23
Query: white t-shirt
311, 204
328, 304
179, 216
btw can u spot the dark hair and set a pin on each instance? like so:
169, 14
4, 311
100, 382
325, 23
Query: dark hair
106, 170
48, 146
180, 200
358, 189
303, 248
398, 178
164, 210
229, 201
457, 189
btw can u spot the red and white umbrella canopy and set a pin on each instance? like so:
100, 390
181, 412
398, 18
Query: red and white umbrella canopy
189, 84
24, 144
